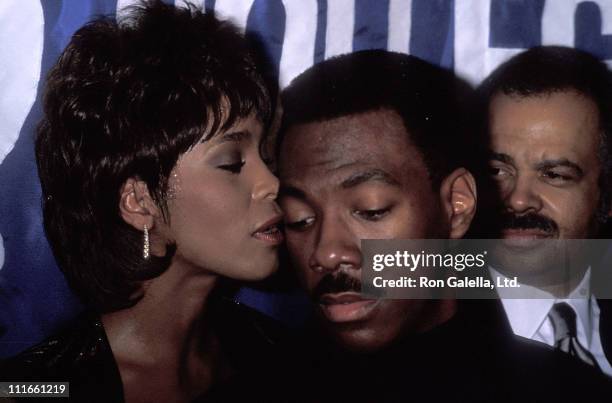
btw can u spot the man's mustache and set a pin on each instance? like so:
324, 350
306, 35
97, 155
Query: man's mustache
336, 283
528, 221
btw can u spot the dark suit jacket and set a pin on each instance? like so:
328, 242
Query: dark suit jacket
605, 326
599, 279
472, 358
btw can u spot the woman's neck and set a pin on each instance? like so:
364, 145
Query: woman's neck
165, 335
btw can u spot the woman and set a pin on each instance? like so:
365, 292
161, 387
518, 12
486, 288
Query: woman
154, 190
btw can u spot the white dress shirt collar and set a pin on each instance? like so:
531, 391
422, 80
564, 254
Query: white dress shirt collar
526, 316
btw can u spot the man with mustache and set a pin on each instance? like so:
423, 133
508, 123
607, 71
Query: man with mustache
373, 145
549, 120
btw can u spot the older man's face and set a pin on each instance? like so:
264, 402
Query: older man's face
343, 180
545, 161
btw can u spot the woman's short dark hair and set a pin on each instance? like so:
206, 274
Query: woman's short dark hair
126, 98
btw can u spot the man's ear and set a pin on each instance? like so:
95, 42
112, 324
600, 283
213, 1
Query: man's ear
136, 205
458, 196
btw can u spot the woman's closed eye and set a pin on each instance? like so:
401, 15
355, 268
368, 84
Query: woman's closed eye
234, 167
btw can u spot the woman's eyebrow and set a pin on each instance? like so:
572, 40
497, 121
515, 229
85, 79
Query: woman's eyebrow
235, 136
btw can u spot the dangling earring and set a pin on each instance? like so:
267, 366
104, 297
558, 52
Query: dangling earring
145, 246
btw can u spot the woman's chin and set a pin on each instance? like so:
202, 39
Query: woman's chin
256, 270
265, 271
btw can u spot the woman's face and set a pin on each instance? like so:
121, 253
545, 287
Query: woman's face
222, 208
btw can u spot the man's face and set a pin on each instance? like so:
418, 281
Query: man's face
545, 163
343, 180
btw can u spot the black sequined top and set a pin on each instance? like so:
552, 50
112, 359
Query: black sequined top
81, 355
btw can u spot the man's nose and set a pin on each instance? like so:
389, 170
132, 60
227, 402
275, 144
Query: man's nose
337, 247
522, 196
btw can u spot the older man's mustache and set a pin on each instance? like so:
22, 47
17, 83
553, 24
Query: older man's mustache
529, 221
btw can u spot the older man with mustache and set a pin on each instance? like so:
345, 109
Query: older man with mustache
549, 120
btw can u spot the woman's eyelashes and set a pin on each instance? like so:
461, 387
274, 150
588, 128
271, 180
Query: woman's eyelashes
234, 168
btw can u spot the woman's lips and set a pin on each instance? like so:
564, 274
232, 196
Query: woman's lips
271, 235
345, 307
270, 231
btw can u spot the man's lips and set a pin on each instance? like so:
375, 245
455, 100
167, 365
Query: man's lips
524, 238
345, 307
530, 233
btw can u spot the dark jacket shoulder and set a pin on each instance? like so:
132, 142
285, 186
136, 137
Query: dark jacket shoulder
79, 354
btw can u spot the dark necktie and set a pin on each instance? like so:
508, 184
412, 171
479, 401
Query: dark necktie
563, 319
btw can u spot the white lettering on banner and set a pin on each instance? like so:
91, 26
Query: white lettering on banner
606, 16
493, 57
474, 59
471, 38
300, 31
183, 3
558, 21
236, 11
122, 4
21, 47
558, 27
400, 22
340, 27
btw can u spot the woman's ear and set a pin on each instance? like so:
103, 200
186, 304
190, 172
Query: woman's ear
458, 195
136, 205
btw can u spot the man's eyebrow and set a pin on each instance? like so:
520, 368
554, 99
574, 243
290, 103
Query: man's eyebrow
501, 157
561, 162
291, 191
369, 175
236, 137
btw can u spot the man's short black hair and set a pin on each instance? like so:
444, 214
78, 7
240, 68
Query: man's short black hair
545, 70
430, 100
126, 99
